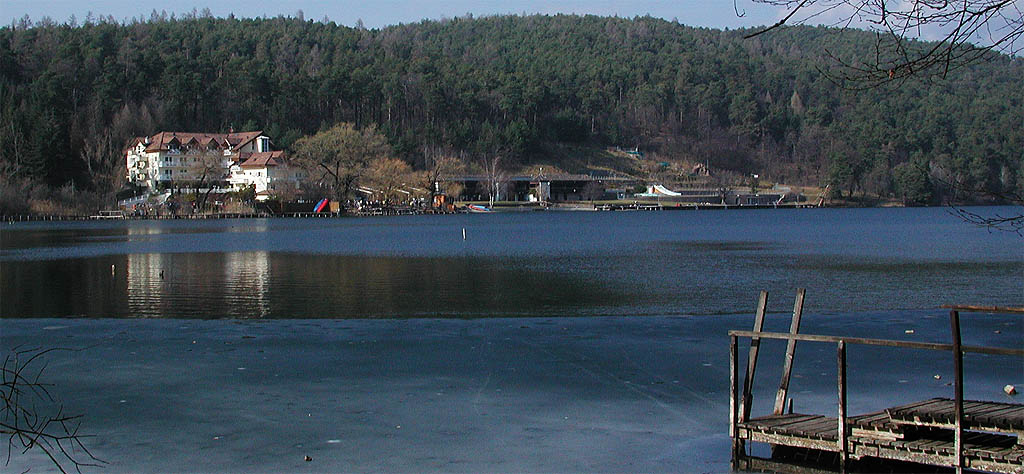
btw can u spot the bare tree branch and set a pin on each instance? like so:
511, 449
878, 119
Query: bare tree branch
1004, 222
969, 31
31, 417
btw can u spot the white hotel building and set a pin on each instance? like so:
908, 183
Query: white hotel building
238, 160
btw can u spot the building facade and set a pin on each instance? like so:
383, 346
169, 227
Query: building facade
170, 160
267, 172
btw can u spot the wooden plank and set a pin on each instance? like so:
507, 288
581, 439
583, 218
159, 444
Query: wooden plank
977, 414
988, 419
826, 429
842, 444
973, 405
815, 427
901, 454
958, 389
918, 410
857, 432
984, 309
737, 444
802, 428
938, 446
926, 445
779, 418
781, 424
980, 407
873, 417
987, 442
996, 466
877, 342
1014, 417
794, 441
867, 417
912, 405
775, 423
876, 426
935, 405
787, 366
995, 415
755, 344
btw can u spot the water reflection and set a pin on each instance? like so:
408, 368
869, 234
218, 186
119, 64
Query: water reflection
281, 285
548, 264
146, 284
199, 285
246, 278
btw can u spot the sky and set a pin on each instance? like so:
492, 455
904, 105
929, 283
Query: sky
380, 13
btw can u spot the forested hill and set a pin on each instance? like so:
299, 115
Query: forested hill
71, 96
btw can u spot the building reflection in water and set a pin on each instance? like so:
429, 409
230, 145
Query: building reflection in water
146, 283
146, 286
204, 284
233, 285
247, 278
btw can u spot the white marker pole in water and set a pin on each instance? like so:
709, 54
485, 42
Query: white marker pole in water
463, 233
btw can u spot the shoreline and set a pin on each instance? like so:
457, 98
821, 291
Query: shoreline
498, 208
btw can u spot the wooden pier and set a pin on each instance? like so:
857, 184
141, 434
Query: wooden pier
952, 433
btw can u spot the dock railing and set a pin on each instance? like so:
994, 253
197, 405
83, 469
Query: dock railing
740, 405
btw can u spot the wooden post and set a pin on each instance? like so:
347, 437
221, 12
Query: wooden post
737, 443
843, 454
787, 367
958, 384
755, 345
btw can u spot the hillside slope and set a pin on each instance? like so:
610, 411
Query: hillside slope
70, 96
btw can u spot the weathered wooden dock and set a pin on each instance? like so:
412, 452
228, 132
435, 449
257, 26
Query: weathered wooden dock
952, 433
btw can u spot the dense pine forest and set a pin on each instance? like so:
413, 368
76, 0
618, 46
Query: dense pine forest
531, 88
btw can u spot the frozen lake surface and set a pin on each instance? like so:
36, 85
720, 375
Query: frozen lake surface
485, 395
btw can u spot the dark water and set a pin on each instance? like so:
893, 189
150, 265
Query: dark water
516, 264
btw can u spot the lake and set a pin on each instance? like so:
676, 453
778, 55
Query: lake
510, 264
543, 342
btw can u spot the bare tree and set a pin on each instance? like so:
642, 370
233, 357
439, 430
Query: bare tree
592, 190
341, 153
205, 169
440, 168
967, 30
104, 161
494, 175
390, 177
999, 221
32, 419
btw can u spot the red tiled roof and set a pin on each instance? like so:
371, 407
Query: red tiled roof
134, 141
161, 140
241, 138
261, 160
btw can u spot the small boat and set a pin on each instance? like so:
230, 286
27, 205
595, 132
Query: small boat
475, 208
320, 206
